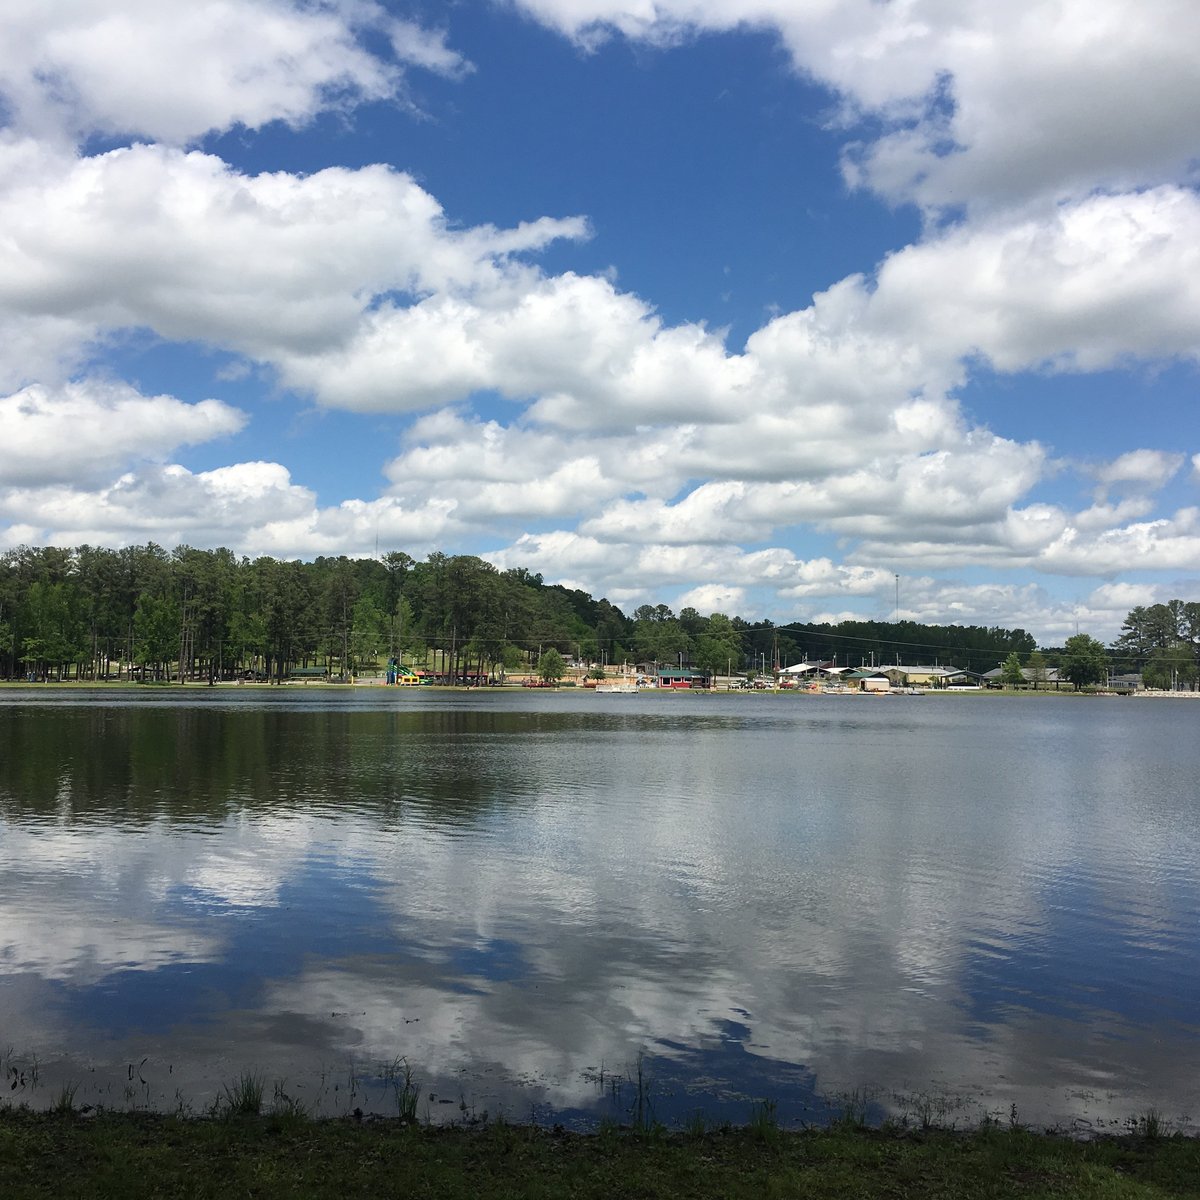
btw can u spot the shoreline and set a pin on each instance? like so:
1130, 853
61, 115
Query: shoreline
570, 687
287, 1155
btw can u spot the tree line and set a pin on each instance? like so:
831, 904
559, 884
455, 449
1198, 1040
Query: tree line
1162, 641
92, 613
95, 613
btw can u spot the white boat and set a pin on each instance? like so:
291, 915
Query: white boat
623, 687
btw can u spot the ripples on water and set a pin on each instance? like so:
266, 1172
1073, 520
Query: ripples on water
779, 898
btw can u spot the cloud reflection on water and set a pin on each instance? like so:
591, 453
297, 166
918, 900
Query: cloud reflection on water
820, 900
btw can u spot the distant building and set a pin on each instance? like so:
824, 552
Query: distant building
931, 677
1127, 683
1048, 678
804, 670
681, 677
866, 680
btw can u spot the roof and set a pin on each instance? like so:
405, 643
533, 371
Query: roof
931, 671
1048, 674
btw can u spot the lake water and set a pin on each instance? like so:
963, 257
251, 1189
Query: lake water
964, 902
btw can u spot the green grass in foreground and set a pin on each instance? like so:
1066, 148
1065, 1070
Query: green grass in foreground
136, 1155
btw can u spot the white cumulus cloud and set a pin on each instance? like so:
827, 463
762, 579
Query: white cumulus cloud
87, 429
172, 70
971, 102
1140, 469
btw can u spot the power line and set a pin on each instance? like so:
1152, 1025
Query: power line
813, 631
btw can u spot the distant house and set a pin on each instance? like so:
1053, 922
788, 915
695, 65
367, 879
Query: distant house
866, 680
1127, 683
932, 677
1049, 677
917, 676
681, 677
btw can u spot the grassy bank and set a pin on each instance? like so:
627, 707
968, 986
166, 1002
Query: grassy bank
137, 1155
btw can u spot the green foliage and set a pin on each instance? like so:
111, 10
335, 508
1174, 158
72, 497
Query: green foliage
974, 647
65, 1101
853, 1114
1171, 667
1163, 641
243, 1097
246, 636
404, 637
1157, 627
1011, 672
109, 1154
93, 611
156, 629
764, 1124
1038, 669
719, 646
658, 636
50, 626
1150, 1125
551, 667
399, 1076
369, 633
286, 1107
1084, 661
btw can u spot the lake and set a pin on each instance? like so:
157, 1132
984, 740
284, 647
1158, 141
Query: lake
948, 904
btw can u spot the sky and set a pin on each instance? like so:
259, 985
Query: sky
795, 309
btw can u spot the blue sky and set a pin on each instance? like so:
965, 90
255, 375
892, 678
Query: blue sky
748, 307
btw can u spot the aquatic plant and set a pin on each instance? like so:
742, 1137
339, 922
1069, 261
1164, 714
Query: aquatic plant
929, 1110
65, 1103
854, 1107
764, 1124
642, 1110
1149, 1125
399, 1075
244, 1097
283, 1105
